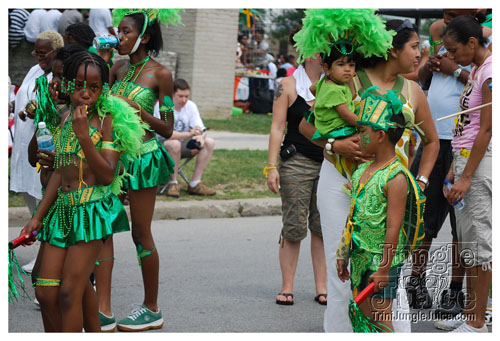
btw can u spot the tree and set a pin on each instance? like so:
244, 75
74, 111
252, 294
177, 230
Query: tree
285, 22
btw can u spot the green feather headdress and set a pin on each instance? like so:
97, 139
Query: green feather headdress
167, 16
377, 111
358, 27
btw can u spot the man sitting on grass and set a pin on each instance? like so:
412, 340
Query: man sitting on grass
188, 139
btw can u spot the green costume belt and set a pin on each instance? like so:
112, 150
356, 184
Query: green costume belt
87, 214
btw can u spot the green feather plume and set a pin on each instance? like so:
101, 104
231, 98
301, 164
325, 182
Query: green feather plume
127, 126
167, 16
359, 26
128, 131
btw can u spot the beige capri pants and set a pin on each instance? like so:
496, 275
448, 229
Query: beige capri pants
474, 220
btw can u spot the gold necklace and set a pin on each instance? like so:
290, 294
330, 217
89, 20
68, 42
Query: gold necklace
484, 58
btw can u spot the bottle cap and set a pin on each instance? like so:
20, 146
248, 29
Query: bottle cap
446, 181
41, 125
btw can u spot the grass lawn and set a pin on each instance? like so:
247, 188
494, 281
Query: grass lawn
245, 123
234, 174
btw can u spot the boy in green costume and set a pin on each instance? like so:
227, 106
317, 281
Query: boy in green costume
385, 220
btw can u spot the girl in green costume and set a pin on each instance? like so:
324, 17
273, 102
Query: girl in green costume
141, 81
385, 222
80, 208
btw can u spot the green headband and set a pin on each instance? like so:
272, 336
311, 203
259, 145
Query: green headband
151, 15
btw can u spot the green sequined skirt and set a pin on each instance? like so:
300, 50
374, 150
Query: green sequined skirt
92, 213
151, 168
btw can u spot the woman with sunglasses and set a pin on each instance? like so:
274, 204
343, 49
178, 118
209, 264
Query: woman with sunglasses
333, 203
23, 177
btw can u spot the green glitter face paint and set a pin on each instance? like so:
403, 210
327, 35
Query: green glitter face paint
365, 139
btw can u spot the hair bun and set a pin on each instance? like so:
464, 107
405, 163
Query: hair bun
292, 33
480, 17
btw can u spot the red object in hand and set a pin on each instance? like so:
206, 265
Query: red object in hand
365, 293
22, 240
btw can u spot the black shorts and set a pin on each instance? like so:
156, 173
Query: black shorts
436, 206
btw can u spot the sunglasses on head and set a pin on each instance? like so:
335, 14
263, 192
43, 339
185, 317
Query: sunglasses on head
406, 24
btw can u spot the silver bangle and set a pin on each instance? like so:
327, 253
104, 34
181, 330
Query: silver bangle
422, 179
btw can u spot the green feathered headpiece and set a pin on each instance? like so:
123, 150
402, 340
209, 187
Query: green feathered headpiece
377, 111
339, 27
166, 16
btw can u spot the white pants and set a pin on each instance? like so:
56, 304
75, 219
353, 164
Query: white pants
333, 206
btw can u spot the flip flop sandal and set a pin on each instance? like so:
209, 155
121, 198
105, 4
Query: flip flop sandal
321, 302
285, 302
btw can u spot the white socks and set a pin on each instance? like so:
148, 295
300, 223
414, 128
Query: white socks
194, 183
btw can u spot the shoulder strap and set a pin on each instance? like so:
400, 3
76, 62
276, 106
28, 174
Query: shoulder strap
367, 83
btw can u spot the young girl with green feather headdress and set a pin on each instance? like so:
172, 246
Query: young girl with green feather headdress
341, 36
141, 81
80, 208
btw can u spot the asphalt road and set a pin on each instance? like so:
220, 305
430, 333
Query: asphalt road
217, 275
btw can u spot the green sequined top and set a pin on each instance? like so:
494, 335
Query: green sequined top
145, 97
67, 148
369, 218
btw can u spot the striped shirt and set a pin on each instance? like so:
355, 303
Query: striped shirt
18, 19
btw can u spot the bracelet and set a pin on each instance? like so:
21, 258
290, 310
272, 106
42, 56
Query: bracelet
329, 146
267, 169
140, 113
422, 179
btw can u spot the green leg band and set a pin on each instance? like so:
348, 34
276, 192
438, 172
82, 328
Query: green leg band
34, 278
141, 253
98, 262
48, 282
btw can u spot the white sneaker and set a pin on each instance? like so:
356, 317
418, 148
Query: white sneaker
488, 317
465, 328
450, 323
29, 267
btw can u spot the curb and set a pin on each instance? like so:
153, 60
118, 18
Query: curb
197, 209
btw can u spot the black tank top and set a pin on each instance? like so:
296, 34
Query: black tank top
293, 117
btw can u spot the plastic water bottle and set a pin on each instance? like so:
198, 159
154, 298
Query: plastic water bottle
44, 137
460, 204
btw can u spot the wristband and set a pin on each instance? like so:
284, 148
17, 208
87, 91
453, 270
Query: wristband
267, 169
457, 72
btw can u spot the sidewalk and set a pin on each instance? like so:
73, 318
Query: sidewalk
205, 208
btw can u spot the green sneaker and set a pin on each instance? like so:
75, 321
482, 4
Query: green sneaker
140, 319
108, 324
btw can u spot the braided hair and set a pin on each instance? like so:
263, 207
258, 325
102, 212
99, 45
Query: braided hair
82, 33
74, 61
66, 51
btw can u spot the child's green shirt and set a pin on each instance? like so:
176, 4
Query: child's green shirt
328, 96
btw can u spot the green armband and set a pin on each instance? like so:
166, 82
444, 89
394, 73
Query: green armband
110, 146
167, 106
